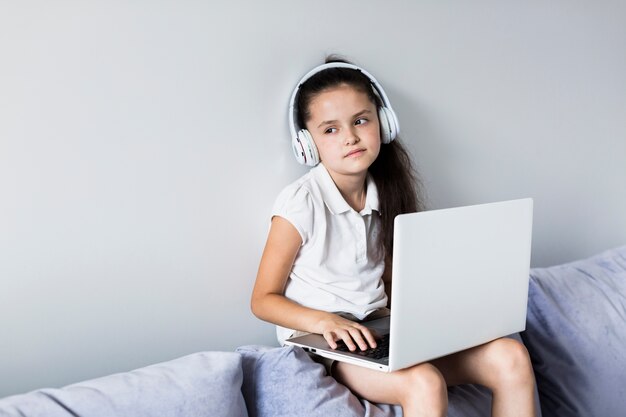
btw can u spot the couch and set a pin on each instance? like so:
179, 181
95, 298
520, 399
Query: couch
575, 334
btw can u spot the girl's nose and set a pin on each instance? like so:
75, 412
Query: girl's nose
351, 137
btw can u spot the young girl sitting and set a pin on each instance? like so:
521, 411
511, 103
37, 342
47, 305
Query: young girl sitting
327, 260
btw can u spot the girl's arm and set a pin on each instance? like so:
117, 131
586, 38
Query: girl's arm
268, 302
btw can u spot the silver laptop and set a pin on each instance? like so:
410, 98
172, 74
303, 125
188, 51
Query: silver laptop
460, 279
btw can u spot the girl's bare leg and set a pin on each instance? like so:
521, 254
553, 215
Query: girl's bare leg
420, 390
503, 366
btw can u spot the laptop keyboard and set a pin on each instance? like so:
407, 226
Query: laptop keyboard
379, 352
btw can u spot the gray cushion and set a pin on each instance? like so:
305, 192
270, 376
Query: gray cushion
285, 382
576, 335
281, 382
201, 384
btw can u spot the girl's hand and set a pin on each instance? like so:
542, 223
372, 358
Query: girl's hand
334, 327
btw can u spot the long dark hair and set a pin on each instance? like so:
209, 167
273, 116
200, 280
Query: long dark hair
399, 188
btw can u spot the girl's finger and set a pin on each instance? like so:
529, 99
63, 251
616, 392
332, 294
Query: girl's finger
332, 336
367, 334
347, 339
330, 339
357, 336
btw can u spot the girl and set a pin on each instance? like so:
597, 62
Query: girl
327, 260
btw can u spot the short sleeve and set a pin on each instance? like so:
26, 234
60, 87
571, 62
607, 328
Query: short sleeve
295, 204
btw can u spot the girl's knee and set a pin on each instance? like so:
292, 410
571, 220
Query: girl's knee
426, 385
510, 362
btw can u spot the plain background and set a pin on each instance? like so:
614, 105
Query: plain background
142, 144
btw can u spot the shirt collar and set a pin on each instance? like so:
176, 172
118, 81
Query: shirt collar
333, 198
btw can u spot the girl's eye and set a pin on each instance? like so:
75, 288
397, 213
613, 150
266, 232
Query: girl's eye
360, 121
330, 130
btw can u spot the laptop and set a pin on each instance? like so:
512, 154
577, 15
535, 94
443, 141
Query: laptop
460, 279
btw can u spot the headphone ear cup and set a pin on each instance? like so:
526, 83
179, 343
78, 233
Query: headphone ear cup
304, 149
388, 124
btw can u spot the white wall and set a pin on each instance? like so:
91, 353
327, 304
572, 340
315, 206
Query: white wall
142, 144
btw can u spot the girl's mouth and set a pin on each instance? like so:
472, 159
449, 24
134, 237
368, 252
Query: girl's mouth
355, 152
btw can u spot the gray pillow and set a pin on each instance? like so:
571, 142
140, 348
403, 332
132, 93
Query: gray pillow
282, 382
285, 382
201, 384
576, 335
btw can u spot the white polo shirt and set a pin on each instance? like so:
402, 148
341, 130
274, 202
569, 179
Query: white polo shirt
339, 265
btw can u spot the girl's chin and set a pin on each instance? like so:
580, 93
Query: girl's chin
354, 168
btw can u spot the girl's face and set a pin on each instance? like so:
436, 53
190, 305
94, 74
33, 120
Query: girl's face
344, 126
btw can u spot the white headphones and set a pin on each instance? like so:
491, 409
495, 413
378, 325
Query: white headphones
302, 143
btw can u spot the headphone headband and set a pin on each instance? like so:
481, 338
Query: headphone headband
294, 126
